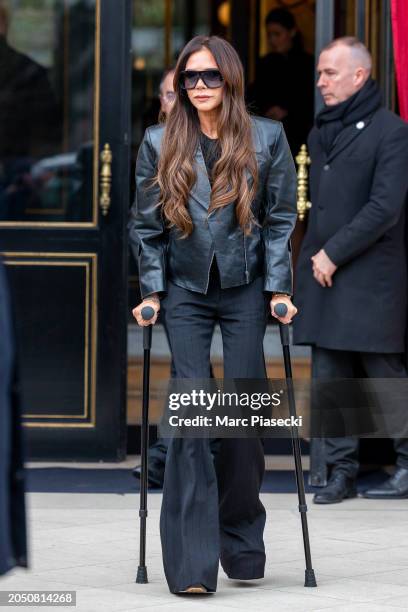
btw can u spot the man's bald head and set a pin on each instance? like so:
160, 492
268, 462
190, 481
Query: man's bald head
344, 66
358, 52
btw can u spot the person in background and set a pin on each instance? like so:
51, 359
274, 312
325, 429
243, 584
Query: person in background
167, 94
351, 276
13, 546
284, 86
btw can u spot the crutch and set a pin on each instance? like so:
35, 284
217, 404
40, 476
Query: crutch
310, 579
147, 313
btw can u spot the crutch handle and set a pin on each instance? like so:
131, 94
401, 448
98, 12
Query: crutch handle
281, 309
147, 313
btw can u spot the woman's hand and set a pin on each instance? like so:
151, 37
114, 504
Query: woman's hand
283, 299
152, 301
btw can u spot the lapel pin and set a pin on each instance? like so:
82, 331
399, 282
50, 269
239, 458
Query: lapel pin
360, 125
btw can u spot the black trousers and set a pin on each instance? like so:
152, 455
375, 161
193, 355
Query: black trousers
342, 453
211, 509
158, 450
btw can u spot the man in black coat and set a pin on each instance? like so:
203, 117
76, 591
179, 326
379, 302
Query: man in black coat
351, 277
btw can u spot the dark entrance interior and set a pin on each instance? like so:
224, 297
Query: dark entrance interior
70, 128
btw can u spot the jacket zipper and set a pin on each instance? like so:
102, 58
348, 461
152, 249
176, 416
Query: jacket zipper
246, 263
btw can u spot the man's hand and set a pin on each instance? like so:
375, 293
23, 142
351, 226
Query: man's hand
279, 298
152, 301
323, 268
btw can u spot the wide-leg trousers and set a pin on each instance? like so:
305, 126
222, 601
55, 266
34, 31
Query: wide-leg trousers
211, 509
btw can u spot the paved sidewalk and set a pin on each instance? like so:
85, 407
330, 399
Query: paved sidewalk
89, 543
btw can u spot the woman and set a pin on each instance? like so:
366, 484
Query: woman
284, 85
215, 207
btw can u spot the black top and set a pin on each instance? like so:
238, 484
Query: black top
211, 153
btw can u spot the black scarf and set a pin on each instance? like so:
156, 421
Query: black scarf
331, 120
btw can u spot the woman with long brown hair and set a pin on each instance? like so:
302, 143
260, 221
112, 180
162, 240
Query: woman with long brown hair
215, 207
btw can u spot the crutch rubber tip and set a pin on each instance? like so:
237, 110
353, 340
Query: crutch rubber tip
141, 577
310, 578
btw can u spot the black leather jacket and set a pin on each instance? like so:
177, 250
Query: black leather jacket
186, 262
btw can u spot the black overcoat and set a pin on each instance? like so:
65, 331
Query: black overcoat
358, 194
12, 508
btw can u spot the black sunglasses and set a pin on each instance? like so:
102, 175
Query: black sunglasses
190, 78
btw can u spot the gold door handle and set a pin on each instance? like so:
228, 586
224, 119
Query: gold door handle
106, 179
303, 161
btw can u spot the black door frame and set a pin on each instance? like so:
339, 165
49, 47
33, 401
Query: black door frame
102, 246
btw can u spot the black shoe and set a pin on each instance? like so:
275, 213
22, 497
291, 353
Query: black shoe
395, 487
338, 488
155, 481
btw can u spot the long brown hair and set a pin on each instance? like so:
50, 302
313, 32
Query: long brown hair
176, 173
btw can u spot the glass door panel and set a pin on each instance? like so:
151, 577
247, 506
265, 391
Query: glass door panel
48, 112
64, 119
